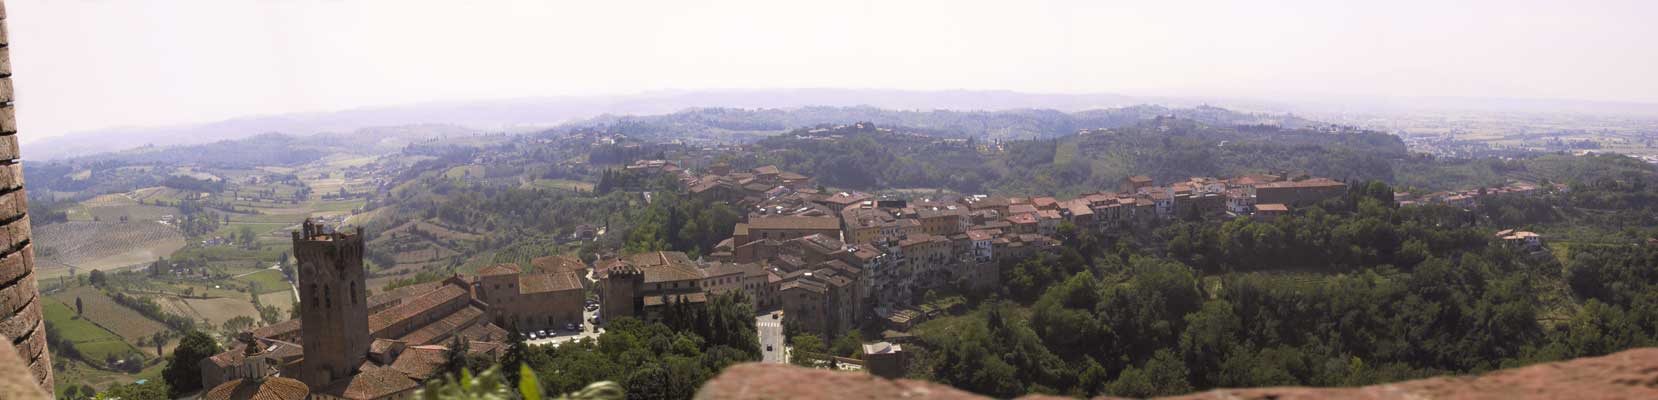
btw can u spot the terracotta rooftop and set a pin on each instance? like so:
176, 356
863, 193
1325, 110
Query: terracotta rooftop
558, 263
372, 383
416, 306
664, 266
279, 329
823, 223
500, 269
1022, 219
726, 268
273, 348
273, 388
919, 238
544, 282
1307, 183
1048, 214
441, 329
485, 333
803, 285
421, 362
397, 295
845, 198
1272, 207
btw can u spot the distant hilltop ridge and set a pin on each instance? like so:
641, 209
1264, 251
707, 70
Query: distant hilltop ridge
538, 113
1632, 374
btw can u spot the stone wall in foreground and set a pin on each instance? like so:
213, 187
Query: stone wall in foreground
1631, 374
19, 300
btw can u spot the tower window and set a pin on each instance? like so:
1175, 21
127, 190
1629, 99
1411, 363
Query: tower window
354, 293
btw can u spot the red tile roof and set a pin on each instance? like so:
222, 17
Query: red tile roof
273, 388
441, 329
421, 362
372, 383
416, 306
558, 263
824, 223
500, 269
278, 329
549, 282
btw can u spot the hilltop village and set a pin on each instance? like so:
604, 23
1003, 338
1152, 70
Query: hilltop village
552, 242
828, 261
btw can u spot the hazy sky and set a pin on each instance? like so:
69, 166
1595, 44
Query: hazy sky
83, 65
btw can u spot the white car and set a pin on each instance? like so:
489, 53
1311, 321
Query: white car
532, 336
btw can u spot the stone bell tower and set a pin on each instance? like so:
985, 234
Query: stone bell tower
333, 304
20, 321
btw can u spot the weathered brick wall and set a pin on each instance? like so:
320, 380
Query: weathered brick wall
19, 300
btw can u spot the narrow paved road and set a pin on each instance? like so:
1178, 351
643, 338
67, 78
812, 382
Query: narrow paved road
771, 338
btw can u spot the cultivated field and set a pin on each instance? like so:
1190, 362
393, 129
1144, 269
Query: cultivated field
105, 312
561, 184
102, 245
93, 342
111, 207
215, 311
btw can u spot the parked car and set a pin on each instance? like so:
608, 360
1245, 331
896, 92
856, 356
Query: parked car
572, 327
532, 336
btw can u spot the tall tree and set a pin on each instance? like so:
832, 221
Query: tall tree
183, 372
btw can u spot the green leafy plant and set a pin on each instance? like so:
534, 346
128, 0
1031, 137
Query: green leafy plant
491, 385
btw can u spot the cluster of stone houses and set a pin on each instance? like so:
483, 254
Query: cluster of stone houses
721, 183
832, 259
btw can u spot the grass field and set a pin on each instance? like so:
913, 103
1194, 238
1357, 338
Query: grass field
92, 341
465, 171
81, 374
282, 300
104, 311
269, 281
561, 184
